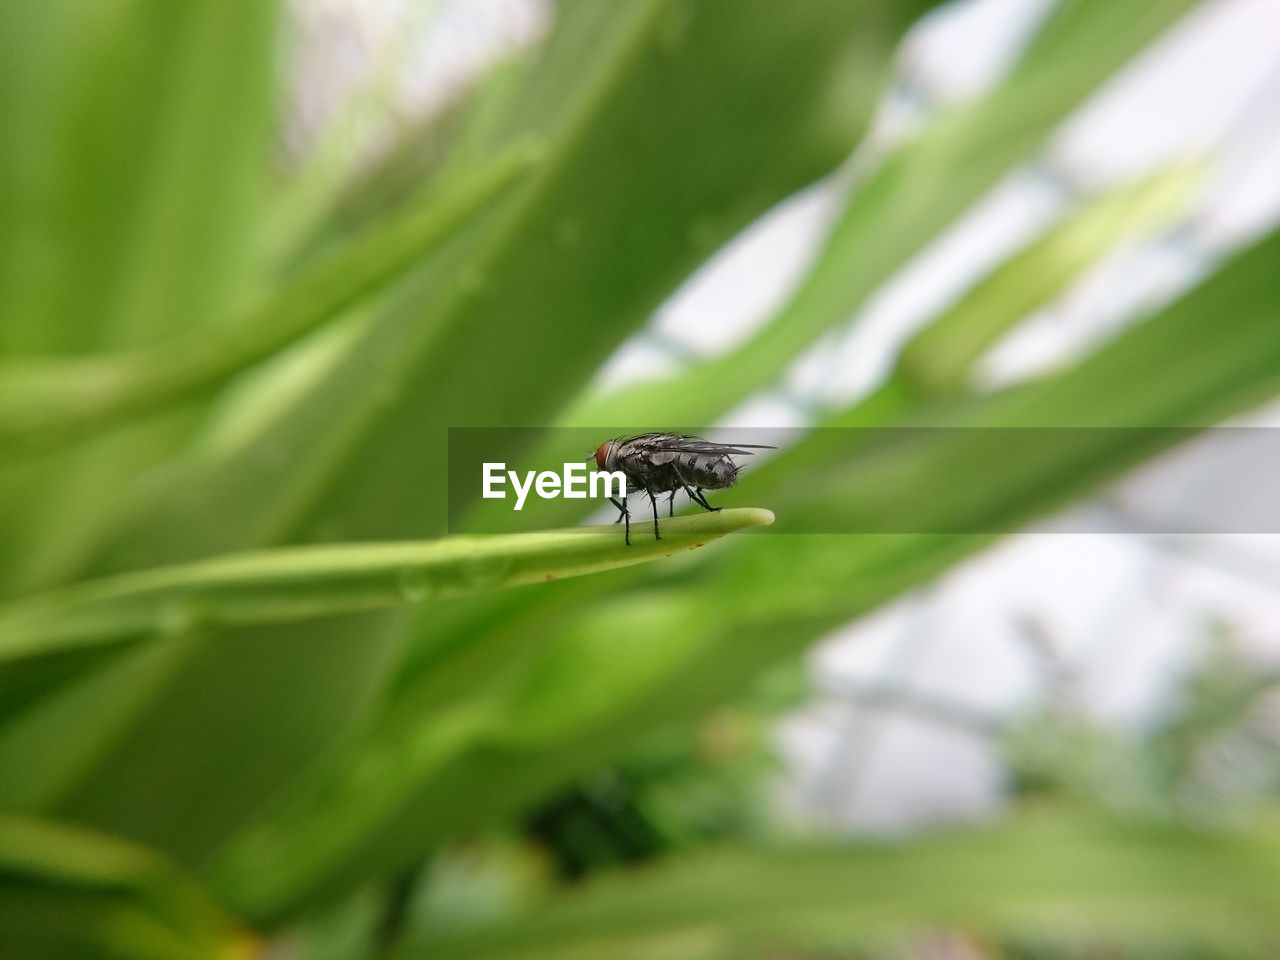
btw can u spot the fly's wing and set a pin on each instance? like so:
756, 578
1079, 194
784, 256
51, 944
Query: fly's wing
648, 450
645, 457
670, 443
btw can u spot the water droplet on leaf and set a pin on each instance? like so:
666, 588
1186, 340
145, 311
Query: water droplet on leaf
484, 572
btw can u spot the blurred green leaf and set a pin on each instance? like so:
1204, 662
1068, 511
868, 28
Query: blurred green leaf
1218, 350
275, 734
680, 125
1060, 879
45, 402
905, 203
334, 158
185, 160
66, 892
939, 358
38, 44
683, 124
93, 772
130, 211
307, 851
41, 674
36, 774
307, 582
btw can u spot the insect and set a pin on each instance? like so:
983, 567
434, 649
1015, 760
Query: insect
668, 463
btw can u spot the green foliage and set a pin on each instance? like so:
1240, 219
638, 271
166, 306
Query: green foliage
66, 892
1166, 772
937, 360
228, 652
909, 198
1104, 884
45, 403
302, 583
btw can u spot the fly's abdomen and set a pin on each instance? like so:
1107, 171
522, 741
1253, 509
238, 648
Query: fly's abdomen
709, 471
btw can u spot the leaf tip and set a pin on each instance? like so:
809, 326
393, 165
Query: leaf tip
756, 517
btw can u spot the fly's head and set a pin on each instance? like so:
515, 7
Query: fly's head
607, 455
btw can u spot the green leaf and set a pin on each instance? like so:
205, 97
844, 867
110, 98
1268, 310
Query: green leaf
636, 189
353, 818
303, 583
129, 211
44, 402
151, 122
68, 892
41, 674
904, 204
682, 123
1042, 879
93, 773
1218, 350
939, 358
45, 748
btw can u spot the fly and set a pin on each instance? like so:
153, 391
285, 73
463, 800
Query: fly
668, 463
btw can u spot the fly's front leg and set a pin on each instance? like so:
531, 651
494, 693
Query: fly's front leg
622, 508
623, 514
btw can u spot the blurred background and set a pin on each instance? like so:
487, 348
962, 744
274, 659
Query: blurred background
257, 259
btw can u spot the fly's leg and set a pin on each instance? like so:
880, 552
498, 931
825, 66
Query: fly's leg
685, 486
671, 504
623, 514
695, 494
702, 501
654, 502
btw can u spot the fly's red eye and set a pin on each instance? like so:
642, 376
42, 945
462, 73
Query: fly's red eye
602, 453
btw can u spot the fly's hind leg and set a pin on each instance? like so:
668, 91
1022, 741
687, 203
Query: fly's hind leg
702, 501
695, 493
623, 514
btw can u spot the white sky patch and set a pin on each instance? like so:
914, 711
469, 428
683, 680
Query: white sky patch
636, 361
961, 50
1180, 97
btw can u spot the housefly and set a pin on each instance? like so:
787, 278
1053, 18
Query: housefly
668, 463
